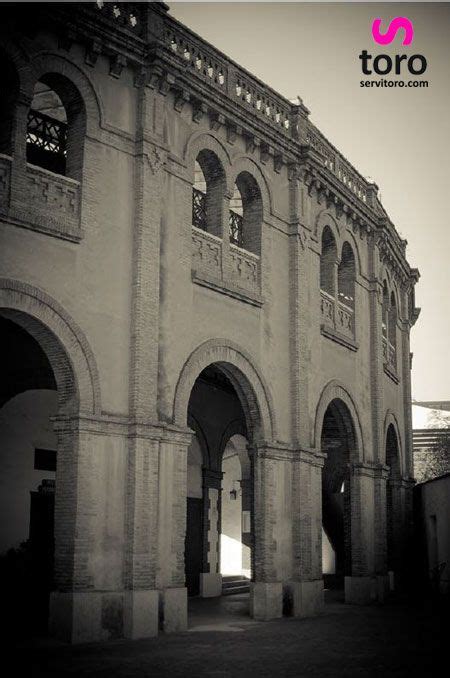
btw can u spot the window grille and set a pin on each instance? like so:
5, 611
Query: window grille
46, 141
199, 209
236, 229
46, 133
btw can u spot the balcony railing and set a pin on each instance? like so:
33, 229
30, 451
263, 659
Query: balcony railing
199, 209
389, 354
46, 142
336, 163
336, 315
236, 229
127, 15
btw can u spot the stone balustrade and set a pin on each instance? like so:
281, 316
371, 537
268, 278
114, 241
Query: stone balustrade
206, 254
45, 202
235, 271
336, 315
244, 269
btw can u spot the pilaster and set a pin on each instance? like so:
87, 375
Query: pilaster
211, 578
306, 588
272, 526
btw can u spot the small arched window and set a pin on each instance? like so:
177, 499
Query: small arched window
328, 259
392, 330
56, 127
385, 312
346, 277
207, 193
246, 213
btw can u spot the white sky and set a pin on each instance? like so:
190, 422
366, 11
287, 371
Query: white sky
400, 138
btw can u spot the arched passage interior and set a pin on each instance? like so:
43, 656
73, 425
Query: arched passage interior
395, 538
28, 400
219, 479
339, 444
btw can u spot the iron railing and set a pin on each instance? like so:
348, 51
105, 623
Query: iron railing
46, 133
236, 229
199, 209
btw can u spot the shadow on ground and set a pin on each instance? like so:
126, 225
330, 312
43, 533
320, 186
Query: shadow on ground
387, 641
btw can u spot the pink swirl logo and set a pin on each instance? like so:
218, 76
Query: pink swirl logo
394, 26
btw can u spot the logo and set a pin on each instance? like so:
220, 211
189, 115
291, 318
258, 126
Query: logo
394, 26
399, 64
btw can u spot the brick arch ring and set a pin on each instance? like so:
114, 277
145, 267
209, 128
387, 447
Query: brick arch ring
65, 345
335, 391
250, 386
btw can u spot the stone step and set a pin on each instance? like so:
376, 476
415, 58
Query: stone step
235, 584
234, 577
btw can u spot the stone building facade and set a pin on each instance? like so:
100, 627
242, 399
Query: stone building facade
192, 274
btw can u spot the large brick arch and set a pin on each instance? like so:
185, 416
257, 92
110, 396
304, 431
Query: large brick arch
63, 342
245, 164
206, 141
48, 62
250, 387
334, 391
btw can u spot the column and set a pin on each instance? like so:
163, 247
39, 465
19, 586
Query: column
141, 595
381, 474
306, 587
210, 577
87, 604
171, 533
360, 583
272, 528
247, 536
18, 179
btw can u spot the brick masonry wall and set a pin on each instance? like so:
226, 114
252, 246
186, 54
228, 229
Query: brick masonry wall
129, 283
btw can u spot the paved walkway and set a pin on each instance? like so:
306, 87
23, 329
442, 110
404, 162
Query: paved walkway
222, 641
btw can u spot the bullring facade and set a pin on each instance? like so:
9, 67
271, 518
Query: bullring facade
212, 308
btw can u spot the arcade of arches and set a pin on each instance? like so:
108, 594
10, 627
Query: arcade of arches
205, 383
225, 535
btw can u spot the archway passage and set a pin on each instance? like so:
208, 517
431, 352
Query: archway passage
28, 399
219, 495
395, 538
338, 443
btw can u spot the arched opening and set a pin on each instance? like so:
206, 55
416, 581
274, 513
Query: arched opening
246, 214
236, 218
385, 320
346, 277
338, 442
28, 400
207, 193
8, 99
393, 502
235, 535
219, 503
392, 331
56, 127
328, 259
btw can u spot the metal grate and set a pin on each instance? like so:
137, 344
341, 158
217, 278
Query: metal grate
46, 133
236, 230
199, 209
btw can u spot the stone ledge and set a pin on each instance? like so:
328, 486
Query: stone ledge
391, 373
228, 289
339, 338
41, 222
